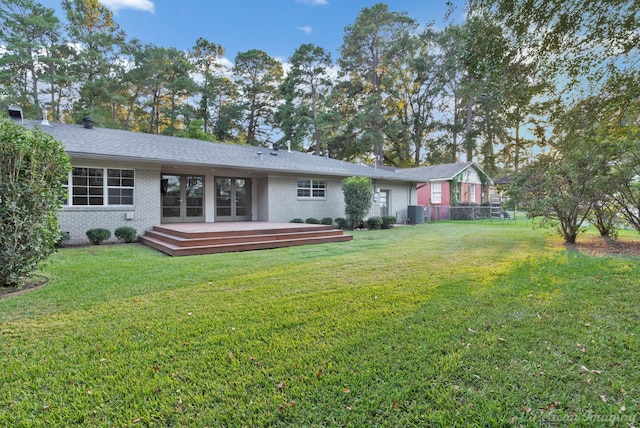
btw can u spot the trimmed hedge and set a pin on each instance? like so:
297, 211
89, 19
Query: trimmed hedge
374, 222
126, 234
388, 221
342, 223
97, 235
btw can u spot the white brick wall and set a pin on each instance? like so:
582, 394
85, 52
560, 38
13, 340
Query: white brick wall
284, 204
274, 199
400, 197
146, 211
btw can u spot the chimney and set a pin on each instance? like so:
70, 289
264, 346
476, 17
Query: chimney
276, 147
88, 122
15, 113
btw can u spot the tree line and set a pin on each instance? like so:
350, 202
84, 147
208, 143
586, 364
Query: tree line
399, 93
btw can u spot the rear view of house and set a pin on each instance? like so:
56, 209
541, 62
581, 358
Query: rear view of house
121, 178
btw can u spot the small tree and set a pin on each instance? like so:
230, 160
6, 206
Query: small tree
33, 166
555, 192
357, 199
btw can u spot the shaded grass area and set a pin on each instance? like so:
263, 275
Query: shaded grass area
430, 325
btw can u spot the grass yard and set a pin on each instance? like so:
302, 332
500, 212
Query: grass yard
447, 324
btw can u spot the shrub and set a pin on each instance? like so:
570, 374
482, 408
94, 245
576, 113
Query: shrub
388, 221
126, 234
342, 223
63, 239
33, 166
357, 198
96, 236
312, 220
374, 222
327, 221
297, 220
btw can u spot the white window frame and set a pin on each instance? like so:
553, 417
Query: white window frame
436, 192
129, 185
315, 190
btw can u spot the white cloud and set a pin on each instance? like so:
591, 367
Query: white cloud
116, 5
306, 29
314, 2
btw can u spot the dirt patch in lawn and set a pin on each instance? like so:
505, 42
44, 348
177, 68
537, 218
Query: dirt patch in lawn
26, 284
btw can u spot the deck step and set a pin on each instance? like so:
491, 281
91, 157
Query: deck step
176, 242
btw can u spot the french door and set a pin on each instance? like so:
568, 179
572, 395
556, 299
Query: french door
233, 199
182, 198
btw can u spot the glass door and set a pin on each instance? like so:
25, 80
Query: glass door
182, 198
384, 203
233, 199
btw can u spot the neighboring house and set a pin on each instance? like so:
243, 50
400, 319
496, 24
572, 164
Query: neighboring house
448, 185
121, 178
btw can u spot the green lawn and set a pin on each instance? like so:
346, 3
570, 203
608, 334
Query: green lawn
432, 325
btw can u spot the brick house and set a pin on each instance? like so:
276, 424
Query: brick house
446, 185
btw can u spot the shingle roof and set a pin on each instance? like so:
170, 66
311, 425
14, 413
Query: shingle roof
438, 172
103, 143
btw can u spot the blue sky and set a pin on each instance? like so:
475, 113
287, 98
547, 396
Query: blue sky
277, 27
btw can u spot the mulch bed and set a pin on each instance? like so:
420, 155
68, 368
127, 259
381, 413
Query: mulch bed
598, 246
28, 283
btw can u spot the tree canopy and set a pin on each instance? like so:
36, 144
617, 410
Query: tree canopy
488, 89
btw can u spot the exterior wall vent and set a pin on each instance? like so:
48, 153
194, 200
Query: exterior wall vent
15, 113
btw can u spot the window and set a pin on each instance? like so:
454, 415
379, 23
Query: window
312, 189
436, 193
120, 186
89, 187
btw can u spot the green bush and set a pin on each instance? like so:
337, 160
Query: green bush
297, 220
96, 236
388, 221
63, 239
312, 220
33, 166
374, 222
126, 234
357, 198
342, 223
327, 221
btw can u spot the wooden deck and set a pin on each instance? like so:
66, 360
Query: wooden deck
187, 239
